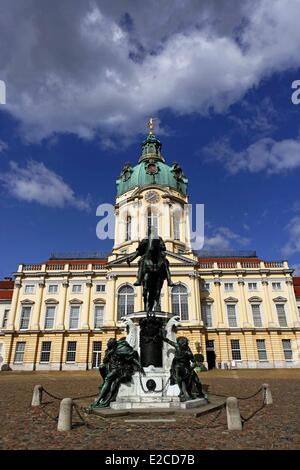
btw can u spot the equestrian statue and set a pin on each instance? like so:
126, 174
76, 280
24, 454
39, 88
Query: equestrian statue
153, 270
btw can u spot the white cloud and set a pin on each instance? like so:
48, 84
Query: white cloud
296, 267
3, 146
293, 244
36, 183
265, 154
99, 68
222, 238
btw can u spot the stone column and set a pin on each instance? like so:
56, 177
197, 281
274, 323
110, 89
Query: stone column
250, 349
278, 356
219, 304
111, 311
292, 314
224, 353
267, 305
36, 317
86, 306
61, 314
196, 315
244, 313
11, 324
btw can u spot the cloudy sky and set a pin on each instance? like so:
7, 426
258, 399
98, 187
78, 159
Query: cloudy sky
82, 78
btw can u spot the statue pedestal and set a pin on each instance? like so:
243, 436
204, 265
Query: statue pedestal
154, 389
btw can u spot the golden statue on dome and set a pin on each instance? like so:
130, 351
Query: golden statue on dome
150, 125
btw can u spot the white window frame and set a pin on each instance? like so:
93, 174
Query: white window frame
42, 351
102, 284
284, 304
29, 318
29, 292
79, 316
18, 352
67, 350
204, 305
262, 350
5, 318
53, 285
74, 291
234, 304
126, 295
102, 306
181, 295
251, 289
235, 349
229, 284
290, 350
276, 288
260, 312
54, 317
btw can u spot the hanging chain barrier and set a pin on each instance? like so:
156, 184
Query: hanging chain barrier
240, 398
54, 418
244, 420
61, 398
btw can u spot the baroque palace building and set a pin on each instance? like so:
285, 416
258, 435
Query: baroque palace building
238, 311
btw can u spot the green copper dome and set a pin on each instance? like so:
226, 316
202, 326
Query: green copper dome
151, 170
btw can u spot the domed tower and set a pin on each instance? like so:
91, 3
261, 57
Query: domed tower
152, 193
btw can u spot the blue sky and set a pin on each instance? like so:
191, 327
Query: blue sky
83, 80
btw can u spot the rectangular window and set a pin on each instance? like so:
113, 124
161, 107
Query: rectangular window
25, 317
97, 348
281, 315
128, 229
256, 315
45, 351
252, 285
71, 351
74, 317
235, 350
231, 315
261, 350
53, 288
207, 315
287, 349
228, 286
76, 288
276, 285
176, 226
49, 317
19, 354
99, 310
5, 318
29, 289
100, 288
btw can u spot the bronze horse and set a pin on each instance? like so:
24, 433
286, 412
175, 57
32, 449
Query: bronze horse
153, 270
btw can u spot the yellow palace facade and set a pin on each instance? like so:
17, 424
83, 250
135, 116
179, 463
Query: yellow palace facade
237, 311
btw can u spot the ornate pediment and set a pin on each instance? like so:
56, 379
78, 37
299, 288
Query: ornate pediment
99, 301
255, 298
280, 299
27, 302
231, 299
75, 301
51, 301
207, 300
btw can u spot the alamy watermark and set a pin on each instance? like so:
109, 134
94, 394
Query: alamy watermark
132, 220
296, 94
2, 92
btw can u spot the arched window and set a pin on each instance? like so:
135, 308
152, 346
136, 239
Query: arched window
128, 229
180, 302
152, 222
125, 301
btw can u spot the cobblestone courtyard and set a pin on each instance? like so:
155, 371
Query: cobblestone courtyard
274, 427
